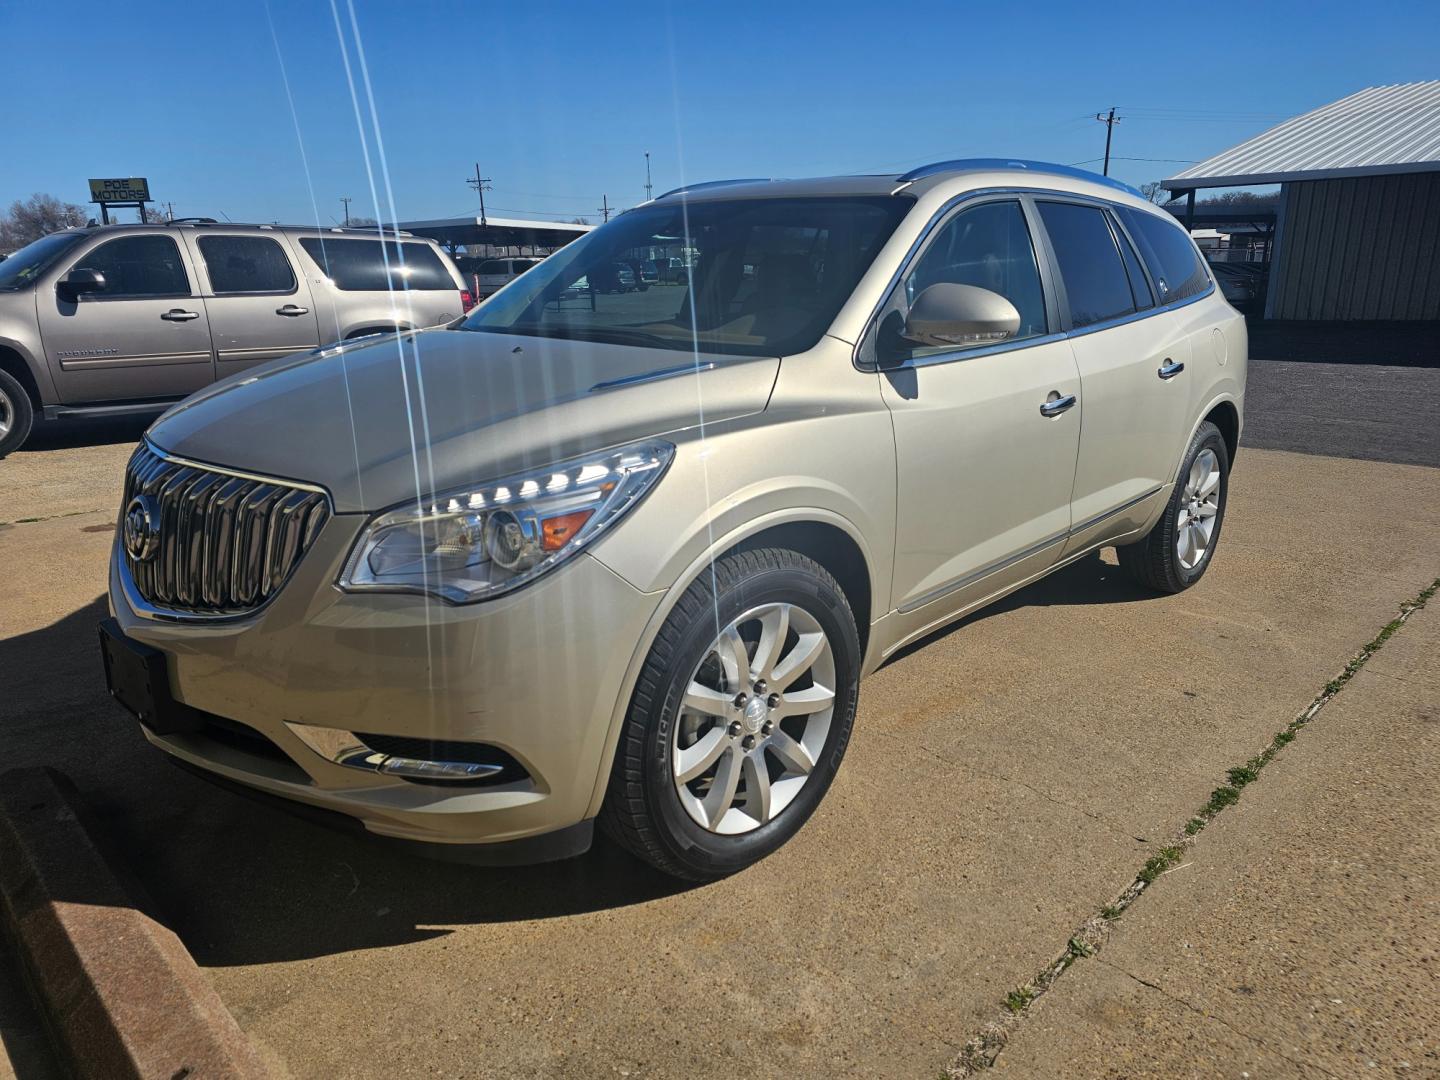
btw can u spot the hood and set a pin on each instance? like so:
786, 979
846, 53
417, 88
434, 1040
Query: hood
452, 407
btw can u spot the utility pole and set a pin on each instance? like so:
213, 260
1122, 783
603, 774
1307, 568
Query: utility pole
1109, 121
346, 200
604, 208
649, 188
480, 184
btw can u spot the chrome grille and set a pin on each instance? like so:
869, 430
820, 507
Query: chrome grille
226, 543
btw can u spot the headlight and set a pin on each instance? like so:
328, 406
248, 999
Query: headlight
480, 541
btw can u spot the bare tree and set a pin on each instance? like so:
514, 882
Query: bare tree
155, 215
360, 222
29, 219
579, 221
1155, 192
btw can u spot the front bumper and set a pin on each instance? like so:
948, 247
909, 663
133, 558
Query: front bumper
537, 674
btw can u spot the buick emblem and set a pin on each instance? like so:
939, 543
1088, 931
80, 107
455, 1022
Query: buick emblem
141, 533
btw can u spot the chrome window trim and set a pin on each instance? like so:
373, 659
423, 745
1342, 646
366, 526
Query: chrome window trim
1044, 258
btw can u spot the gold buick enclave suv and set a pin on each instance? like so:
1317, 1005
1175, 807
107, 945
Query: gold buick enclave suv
624, 556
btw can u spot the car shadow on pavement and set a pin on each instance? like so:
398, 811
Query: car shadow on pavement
1088, 580
242, 882
66, 434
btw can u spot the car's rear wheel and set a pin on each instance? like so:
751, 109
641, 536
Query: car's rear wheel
1177, 551
740, 717
17, 413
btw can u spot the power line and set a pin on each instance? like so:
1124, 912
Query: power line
480, 183
1109, 121
605, 207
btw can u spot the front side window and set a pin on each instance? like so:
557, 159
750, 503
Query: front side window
375, 266
1174, 263
761, 277
246, 264
138, 266
987, 246
1095, 281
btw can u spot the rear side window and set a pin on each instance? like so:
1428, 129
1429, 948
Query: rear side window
494, 266
520, 267
1095, 280
246, 264
1174, 263
136, 266
987, 246
360, 265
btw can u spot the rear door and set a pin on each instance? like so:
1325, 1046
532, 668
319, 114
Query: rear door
258, 304
1126, 348
144, 337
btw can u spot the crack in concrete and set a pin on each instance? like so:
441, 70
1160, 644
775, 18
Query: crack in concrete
982, 1049
1198, 1011
54, 517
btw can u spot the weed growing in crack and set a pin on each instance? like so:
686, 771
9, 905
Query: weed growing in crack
1157, 864
1018, 998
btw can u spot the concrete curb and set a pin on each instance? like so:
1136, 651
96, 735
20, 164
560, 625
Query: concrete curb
119, 992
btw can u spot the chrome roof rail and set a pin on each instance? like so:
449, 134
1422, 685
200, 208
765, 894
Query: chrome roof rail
960, 164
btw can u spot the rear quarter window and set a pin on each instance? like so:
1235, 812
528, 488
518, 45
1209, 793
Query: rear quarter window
356, 265
1174, 263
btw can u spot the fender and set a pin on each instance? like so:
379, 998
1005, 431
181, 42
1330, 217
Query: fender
672, 595
39, 369
1209, 407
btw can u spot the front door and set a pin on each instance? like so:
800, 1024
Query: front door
143, 337
259, 306
983, 475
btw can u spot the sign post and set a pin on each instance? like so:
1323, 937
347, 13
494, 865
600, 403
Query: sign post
132, 191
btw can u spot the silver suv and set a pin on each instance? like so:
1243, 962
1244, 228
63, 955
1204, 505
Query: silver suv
626, 558
130, 318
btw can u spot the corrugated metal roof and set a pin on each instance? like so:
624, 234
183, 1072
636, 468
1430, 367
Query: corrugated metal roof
1385, 129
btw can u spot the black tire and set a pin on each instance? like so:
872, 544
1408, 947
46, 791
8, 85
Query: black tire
1154, 561
642, 809
17, 413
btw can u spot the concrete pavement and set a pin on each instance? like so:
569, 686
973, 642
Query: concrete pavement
1301, 936
1005, 780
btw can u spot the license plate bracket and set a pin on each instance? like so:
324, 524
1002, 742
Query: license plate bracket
138, 677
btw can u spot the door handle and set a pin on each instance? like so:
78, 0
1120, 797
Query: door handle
179, 315
1056, 405
292, 310
1170, 369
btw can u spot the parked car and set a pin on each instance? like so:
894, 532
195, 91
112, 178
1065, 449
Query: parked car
123, 319
1243, 284
675, 272
652, 543
492, 275
646, 273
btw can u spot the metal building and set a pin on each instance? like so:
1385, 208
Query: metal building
1358, 230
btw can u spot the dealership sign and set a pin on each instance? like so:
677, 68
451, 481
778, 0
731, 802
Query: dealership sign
134, 189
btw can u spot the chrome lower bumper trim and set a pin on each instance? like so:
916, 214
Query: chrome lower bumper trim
346, 748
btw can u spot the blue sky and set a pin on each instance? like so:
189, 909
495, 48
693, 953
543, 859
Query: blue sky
559, 101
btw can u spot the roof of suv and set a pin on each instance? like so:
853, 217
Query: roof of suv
363, 231
916, 181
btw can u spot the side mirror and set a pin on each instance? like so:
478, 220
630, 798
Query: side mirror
79, 281
954, 315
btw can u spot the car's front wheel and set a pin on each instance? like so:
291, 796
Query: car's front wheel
1177, 551
17, 414
740, 717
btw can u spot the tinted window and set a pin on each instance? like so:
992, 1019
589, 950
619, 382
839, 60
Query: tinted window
1095, 281
23, 267
1174, 263
1139, 287
139, 266
246, 264
989, 247
520, 267
805, 256
360, 265
493, 266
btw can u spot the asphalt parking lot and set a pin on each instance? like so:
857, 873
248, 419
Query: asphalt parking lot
1005, 781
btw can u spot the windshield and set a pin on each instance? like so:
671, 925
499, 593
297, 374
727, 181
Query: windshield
27, 264
754, 277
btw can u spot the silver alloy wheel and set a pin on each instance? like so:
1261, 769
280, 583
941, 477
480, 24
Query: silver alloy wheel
754, 719
1199, 504
7, 413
